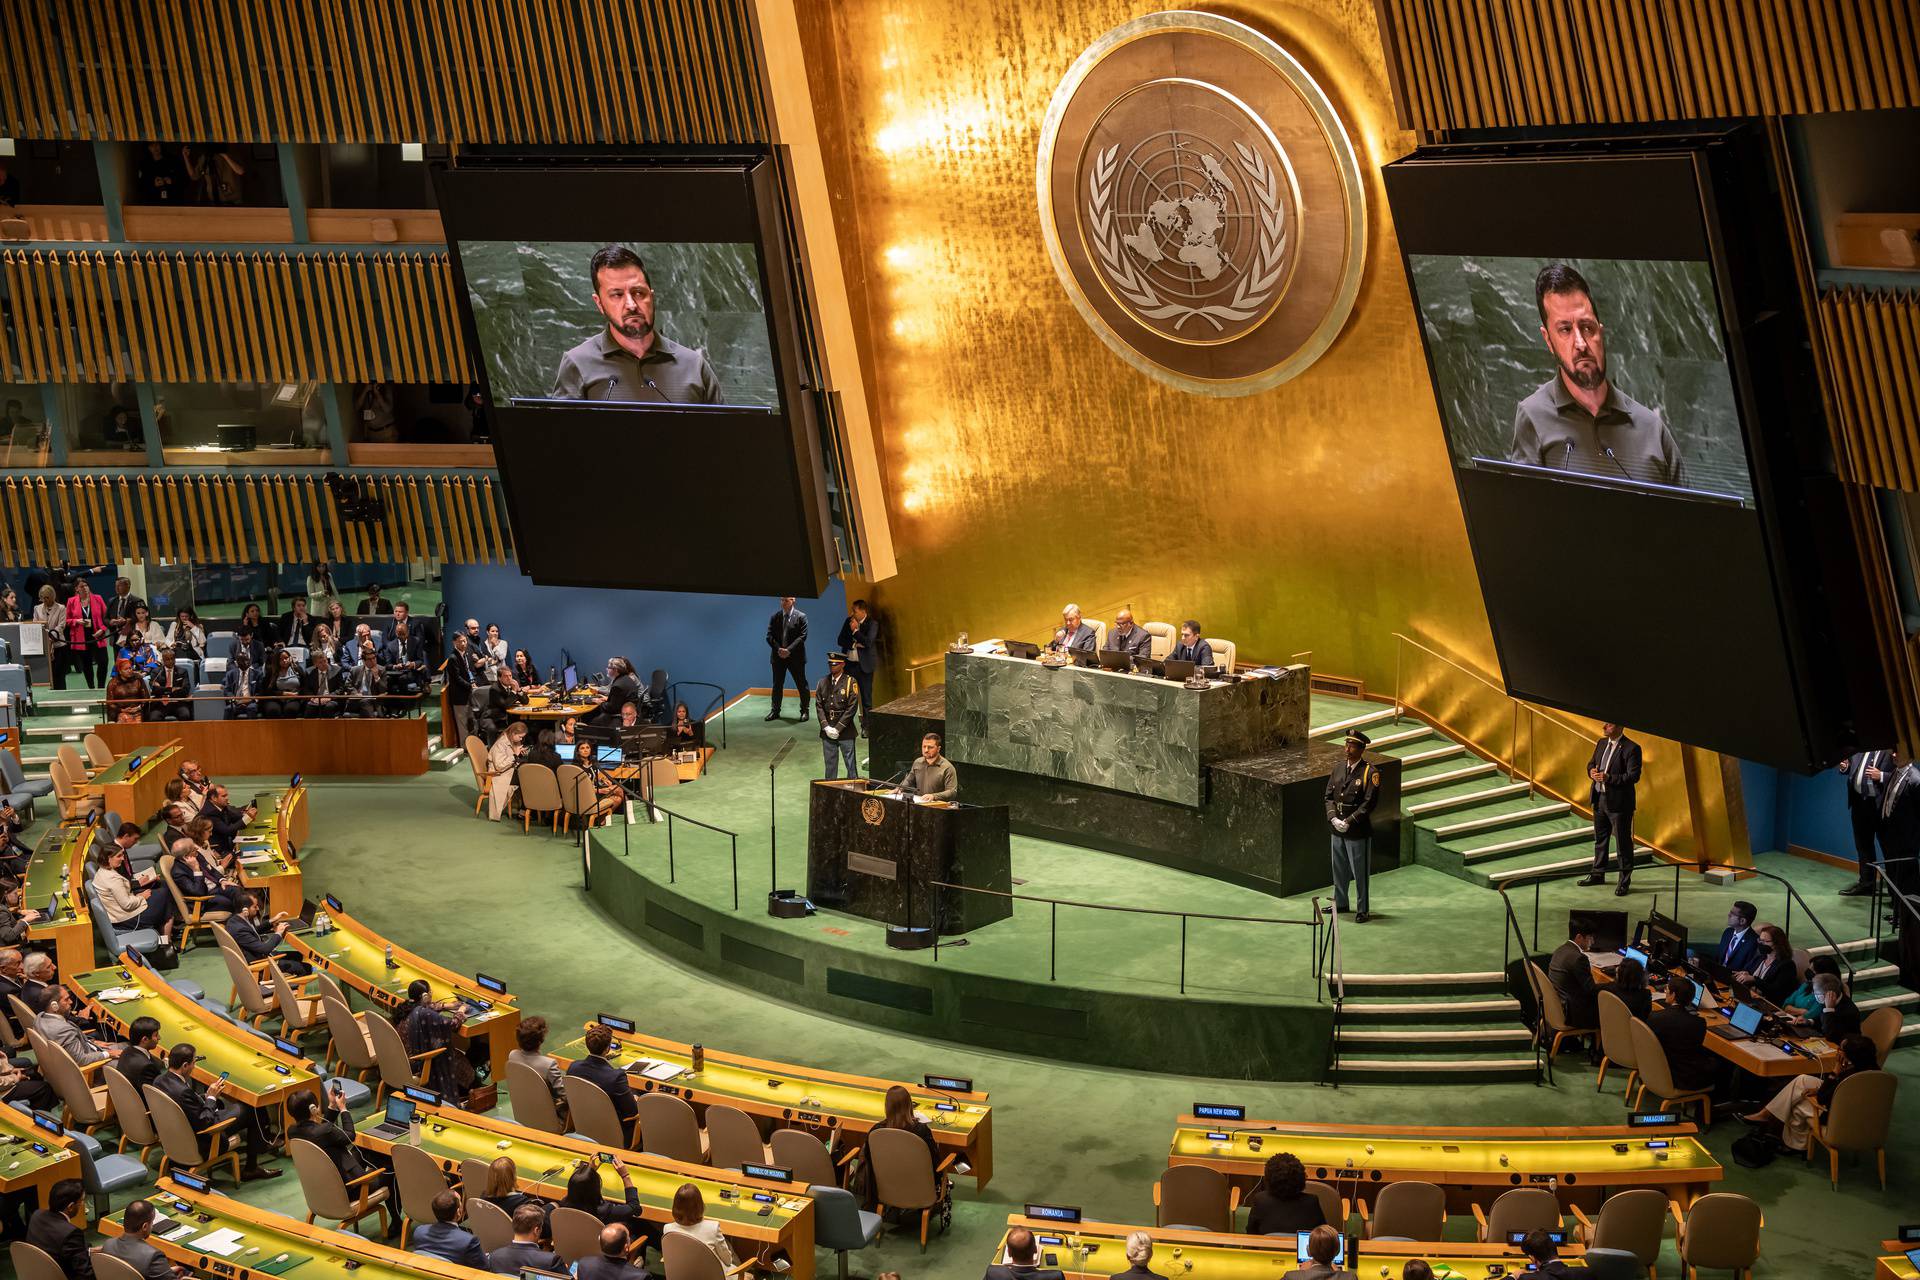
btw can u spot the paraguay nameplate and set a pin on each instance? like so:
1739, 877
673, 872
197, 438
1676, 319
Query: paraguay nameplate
1201, 203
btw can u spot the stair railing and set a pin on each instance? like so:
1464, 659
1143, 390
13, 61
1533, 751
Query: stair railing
1512, 935
1334, 965
1895, 898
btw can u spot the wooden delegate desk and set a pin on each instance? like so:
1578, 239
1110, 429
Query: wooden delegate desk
342, 746
260, 1075
1894, 1263
780, 1091
269, 849
353, 954
546, 1160
1474, 1165
1097, 1250
875, 854
1812, 1052
135, 793
544, 707
59, 861
24, 1169
272, 1244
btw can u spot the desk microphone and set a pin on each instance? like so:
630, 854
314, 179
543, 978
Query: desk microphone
896, 777
1615, 461
1566, 459
613, 380
655, 388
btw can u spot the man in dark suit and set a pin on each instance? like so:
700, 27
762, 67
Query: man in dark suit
332, 1132
1613, 771
1130, 638
458, 674
406, 668
787, 646
611, 1264
169, 692
1739, 944
1076, 635
1539, 1246
133, 1247
52, 1229
260, 940
323, 684
597, 1068
1191, 647
1866, 772
859, 636
373, 602
524, 1250
445, 1238
1900, 832
141, 1061
1023, 1260
208, 1107
1323, 1246
623, 689
1683, 1034
296, 628
1352, 790
122, 603
1571, 973
227, 820
13, 982
241, 685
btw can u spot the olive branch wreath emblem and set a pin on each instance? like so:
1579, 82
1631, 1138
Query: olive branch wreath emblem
1256, 286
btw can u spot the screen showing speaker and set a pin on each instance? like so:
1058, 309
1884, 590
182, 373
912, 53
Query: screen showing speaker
1621, 371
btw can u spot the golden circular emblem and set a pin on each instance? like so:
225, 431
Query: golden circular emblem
873, 811
1201, 203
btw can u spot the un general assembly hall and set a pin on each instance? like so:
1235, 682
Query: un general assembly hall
1320, 598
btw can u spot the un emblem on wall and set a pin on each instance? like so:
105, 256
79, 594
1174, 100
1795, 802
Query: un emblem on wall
1201, 203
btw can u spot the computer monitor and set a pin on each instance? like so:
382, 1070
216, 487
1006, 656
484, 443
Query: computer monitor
1666, 939
601, 755
1339, 1258
1745, 1019
1636, 955
1022, 649
1177, 669
569, 678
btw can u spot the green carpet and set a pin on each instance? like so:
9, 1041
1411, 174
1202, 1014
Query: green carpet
409, 858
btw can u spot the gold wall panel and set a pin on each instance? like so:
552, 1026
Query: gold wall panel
1472, 64
1872, 340
88, 316
380, 70
258, 516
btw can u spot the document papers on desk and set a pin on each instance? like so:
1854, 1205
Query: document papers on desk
223, 1243
655, 1070
1761, 1049
1604, 960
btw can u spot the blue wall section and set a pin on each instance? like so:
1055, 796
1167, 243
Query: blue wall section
1791, 809
719, 639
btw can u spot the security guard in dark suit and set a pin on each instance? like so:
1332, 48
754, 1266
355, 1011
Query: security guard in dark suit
1867, 772
1613, 772
1352, 790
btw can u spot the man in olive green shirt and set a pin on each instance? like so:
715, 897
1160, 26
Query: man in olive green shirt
629, 360
932, 776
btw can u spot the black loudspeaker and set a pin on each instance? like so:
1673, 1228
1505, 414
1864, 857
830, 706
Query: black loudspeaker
783, 904
909, 937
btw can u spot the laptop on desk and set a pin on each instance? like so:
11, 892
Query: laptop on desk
1116, 660
399, 1116
1022, 649
1742, 1025
1177, 669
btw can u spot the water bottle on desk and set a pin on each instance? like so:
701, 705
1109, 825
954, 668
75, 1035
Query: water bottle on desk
699, 1059
390, 960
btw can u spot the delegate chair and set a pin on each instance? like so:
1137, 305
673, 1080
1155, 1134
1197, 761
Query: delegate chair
1882, 1026
398, 1068
806, 1155
576, 1234
666, 1126
130, 1114
733, 1139
73, 802
483, 773
1613, 1264
349, 1043
1406, 1211
839, 1223
489, 1223
99, 754
685, 1258
108, 1267
1224, 652
905, 1178
1656, 1074
419, 1180
31, 1262
1192, 1197
1616, 1042
539, 793
1631, 1221
299, 1014
1553, 1013
84, 1106
197, 1153
329, 1194
14, 781
194, 915
592, 1112
115, 939
1721, 1232
1162, 634
251, 1001
77, 768
1332, 1207
532, 1101
1521, 1209
1858, 1120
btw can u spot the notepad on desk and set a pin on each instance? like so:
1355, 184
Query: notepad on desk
118, 995
653, 1069
223, 1243
255, 859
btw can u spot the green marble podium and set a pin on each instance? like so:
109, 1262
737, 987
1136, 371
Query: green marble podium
1130, 733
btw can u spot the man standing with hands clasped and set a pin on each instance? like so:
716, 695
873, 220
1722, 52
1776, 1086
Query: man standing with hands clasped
787, 638
1352, 790
1614, 772
838, 700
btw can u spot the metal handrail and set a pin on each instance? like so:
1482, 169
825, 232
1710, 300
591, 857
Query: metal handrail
1432, 652
1336, 989
1881, 881
1512, 935
720, 700
733, 840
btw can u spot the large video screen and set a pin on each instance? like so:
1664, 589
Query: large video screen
636, 326
1621, 370
1605, 369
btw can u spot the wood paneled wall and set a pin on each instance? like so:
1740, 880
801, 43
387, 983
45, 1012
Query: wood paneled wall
1872, 339
380, 70
89, 316
1474, 64
249, 518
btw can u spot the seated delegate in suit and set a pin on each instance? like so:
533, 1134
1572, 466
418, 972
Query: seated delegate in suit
1023, 1260
169, 694
142, 1061
241, 686
597, 1068
226, 819
1571, 973
1834, 1014
1683, 1034
52, 1008
1191, 647
1074, 635
296, 627
373, 602
1128, 637
365, 685
622, 687
1539, 1246
445, 1238
260, 940
611, 1262
324, 687
523, 1251
52, 1230
1280, 1202
132, 1246
332, 1131
1323, 1246
197, 877
406, 664
1772, 972
1739, 944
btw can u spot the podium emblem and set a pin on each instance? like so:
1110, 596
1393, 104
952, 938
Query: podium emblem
874, 811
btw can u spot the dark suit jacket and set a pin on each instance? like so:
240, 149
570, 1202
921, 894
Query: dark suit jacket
1082, 641
226, 820
1003, 1271
1199, 654
140, 1067
459, 677
370, 606
1318, 1271
336, 682
1868, 795
604, 1268
451, 1241
1622, 764
254, 944
1778, 982
788, 634
510, 1257
1743, 955
1268, 1213
1839, 1022
863, 635
611, 1078
202, 1112
334, 1135
120, 608
1683, 1034
1572, 976
204, 884
1138, 643
295, 630
230, 683
8, 987
624, 689
66, 1243
1138, 1273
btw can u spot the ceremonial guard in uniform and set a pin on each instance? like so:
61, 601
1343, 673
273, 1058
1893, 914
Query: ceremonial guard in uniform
837, 699
1352, 789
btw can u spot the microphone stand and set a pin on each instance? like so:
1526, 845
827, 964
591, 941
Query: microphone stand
773, 819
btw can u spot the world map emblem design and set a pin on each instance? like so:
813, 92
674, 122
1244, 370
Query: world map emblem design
1201, 247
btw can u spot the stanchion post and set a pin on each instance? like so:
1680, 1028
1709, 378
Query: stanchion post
773, 820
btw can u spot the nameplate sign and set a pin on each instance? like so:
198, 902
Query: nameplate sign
867, 865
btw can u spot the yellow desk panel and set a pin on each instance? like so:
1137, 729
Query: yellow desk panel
268, 848
545, 1161
273, 1244
783, 1091
354, 955
1893, 1265
137, 793
56, 870
21, 1167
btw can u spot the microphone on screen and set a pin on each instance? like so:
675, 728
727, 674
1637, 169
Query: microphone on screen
613, 380
1615, 461
655, 388
1566, 458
